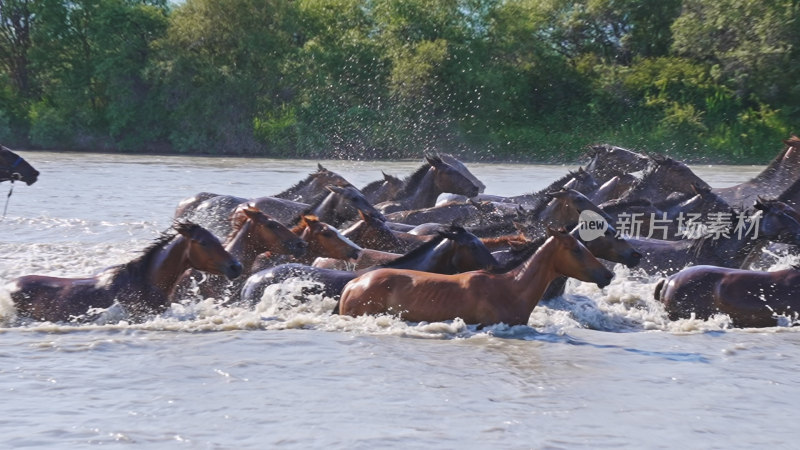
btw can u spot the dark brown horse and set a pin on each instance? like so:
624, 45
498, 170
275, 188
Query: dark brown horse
770, 221
750, 298
608, 161
477, 297
422, 188
316, 183
382, 190
253, 233
15, 168
453, 250
779, 174
663, 177
143, 286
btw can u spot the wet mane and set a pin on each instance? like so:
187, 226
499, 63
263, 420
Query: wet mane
559, 183
133, 268
411, 182
522, 255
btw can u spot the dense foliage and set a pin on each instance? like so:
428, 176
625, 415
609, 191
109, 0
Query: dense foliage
497, 79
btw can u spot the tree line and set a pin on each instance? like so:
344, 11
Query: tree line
712, 80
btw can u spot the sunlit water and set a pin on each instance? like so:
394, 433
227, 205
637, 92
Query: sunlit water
596, 368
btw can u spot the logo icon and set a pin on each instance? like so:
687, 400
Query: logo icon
592, 225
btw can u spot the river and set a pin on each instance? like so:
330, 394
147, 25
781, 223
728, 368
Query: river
595, 368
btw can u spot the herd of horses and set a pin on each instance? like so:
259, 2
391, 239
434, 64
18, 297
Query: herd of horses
433, 246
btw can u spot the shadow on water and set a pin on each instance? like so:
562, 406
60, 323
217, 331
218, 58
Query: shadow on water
526, 333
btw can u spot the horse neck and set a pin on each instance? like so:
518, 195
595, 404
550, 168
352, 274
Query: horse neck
242, 246
425, 193
529, 281
168, 265
733, 251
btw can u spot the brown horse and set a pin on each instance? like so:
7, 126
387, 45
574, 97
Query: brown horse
371, 232
143, 286
480, 297
750, 298
323, 241
253, 233
14, 167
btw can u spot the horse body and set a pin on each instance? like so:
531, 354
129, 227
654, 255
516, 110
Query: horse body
14, 167
774, 224
750, 298
780, 173
480, 297
144, 285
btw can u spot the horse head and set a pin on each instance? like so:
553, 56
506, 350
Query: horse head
14, 167
204, 251
266, 233
465, 251
573, 259
449, 179
776, 221
324, 240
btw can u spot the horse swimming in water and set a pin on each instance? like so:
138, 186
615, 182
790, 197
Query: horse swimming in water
478, 297
143, 285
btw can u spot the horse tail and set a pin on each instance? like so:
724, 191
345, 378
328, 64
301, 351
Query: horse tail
659, 288
336, 308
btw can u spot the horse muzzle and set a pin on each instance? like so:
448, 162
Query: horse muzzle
633, 259
603, 278
298, 249
233, 270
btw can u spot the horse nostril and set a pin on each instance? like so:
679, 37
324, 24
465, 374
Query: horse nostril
234, 270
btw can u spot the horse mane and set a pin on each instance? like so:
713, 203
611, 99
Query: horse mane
521, 255
133, 267
411, 182
299, 225
415, 252
559, 183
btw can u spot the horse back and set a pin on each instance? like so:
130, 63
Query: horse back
58, 299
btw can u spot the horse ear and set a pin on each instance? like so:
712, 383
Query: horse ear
310, 218
185, 229
434, 161
364, 216
251, 211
